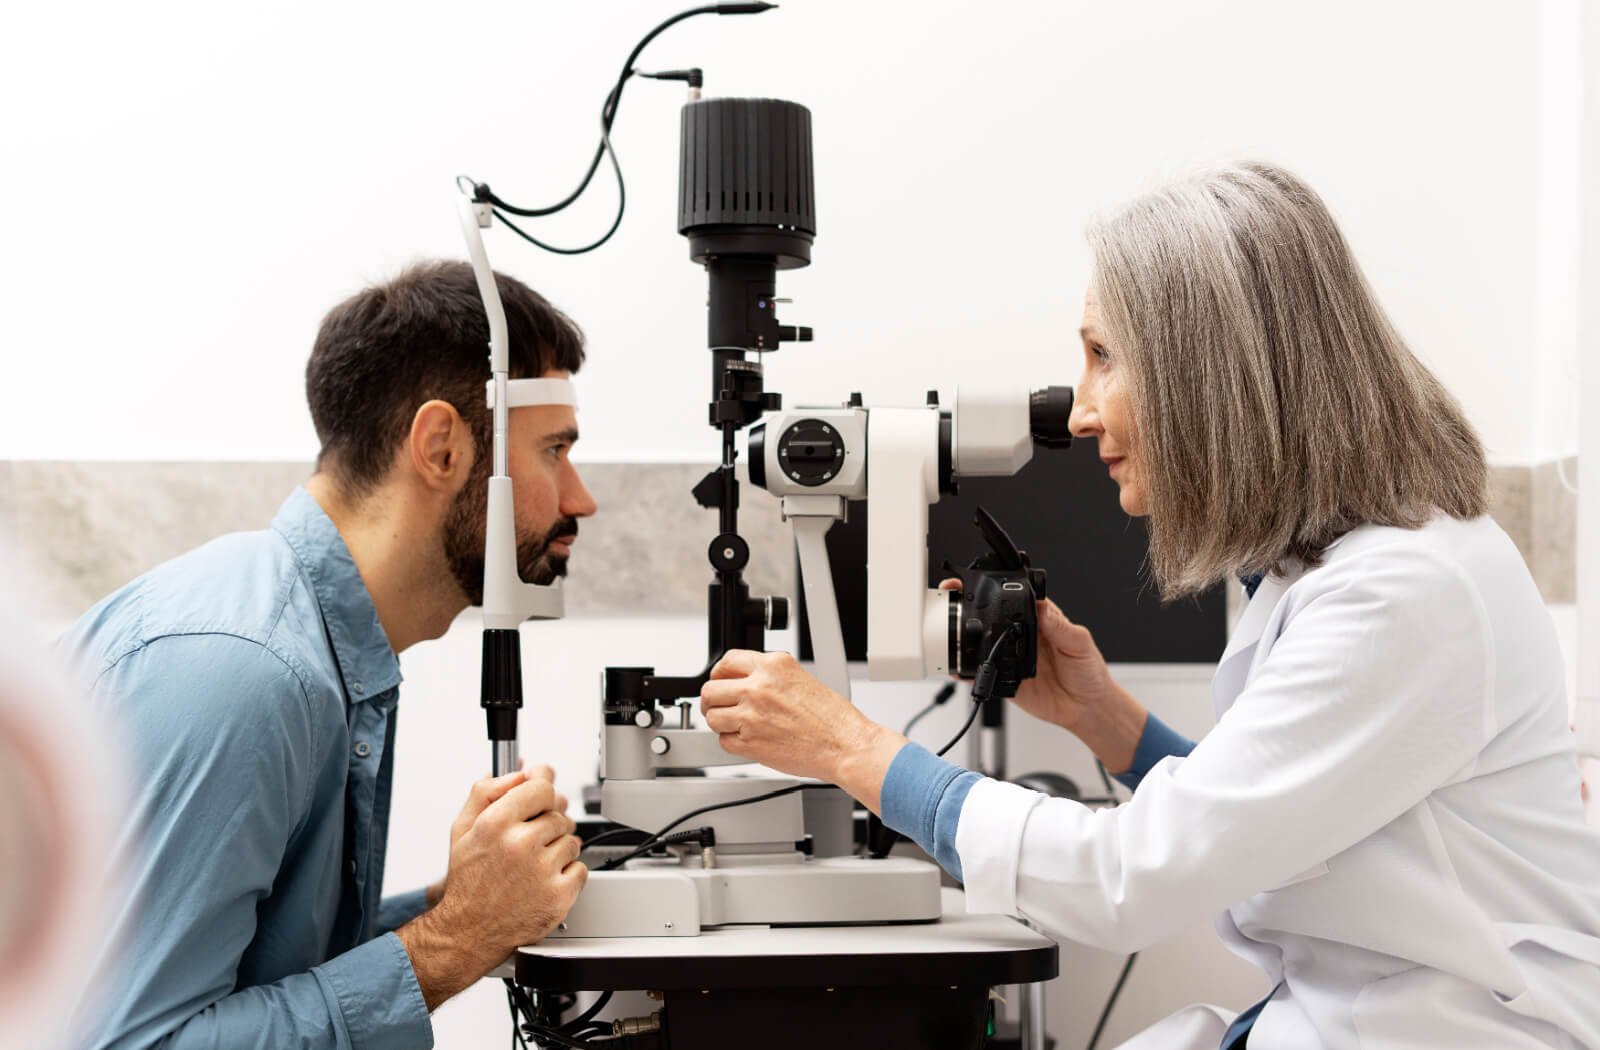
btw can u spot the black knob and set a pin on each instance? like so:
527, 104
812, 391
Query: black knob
778, 614
1050, 416
811, 452
729, 552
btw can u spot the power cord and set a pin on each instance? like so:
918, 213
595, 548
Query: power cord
583, 1019
660, 837
608, 116
706, 837
525, 1024
614, 833
940, 698
982, 686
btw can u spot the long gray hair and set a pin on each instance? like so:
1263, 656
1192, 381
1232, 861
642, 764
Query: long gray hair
1274, 407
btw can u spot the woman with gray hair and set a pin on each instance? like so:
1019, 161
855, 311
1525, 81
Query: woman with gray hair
1386, 816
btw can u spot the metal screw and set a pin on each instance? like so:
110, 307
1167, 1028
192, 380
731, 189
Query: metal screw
669, 925
727, 552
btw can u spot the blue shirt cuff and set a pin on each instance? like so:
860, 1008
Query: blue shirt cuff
921, 798
379, 999
1156, 742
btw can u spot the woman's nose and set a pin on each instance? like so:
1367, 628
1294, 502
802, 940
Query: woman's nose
1085, 418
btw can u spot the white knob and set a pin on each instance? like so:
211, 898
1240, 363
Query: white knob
644, 718
660, 745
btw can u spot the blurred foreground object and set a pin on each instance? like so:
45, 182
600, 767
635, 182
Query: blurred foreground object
61, 796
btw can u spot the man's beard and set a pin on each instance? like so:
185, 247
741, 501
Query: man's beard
463, 543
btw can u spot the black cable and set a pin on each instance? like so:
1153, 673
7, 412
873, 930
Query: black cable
982, 687
1105, 1014
976, 707
541, 1033
653, 843
945, 692
1105, 778
612, 834
517, 1042
608, 116
588, 1015
655, 839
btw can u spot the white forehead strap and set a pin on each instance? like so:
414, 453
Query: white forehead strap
522, 393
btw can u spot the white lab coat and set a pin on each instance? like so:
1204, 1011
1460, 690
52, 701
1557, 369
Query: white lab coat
1386, 815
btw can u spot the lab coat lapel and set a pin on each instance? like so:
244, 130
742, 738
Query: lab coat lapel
1234, 667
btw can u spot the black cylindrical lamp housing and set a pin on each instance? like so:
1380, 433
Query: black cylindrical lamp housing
745, 180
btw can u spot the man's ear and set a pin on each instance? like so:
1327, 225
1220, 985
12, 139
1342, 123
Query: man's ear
439, 446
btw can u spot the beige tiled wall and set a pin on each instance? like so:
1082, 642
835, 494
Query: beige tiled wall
86, 528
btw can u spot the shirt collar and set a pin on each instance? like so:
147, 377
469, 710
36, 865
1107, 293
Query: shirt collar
366, 661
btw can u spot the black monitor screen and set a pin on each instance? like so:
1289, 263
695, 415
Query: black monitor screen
1062, 509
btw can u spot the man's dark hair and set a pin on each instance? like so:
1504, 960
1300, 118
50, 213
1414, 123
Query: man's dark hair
383, 352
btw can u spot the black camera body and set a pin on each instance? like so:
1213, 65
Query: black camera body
994, 618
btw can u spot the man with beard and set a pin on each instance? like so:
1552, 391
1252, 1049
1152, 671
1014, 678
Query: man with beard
257, 681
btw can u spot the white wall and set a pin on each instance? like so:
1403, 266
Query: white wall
193, 184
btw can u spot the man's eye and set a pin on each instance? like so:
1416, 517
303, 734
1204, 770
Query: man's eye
556, 451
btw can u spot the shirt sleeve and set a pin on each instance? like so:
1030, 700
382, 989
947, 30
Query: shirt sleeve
1376, 693
921, 798
226, 750
1156, 742
401, 908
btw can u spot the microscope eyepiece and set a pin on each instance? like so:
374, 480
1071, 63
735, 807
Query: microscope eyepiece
1050, 416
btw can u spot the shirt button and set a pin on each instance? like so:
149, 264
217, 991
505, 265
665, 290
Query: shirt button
352, 867
358, 687
363, 749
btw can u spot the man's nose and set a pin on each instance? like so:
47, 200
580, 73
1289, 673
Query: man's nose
576, 500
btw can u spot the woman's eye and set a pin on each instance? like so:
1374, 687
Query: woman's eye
1100, 354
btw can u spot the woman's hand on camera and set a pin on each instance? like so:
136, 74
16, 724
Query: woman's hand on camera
1073, 689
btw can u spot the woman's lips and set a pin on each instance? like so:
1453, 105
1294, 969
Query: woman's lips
1112, 464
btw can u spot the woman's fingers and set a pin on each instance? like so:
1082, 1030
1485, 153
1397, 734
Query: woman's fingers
1069, 638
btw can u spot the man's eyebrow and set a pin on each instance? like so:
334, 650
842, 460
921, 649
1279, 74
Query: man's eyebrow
567, 436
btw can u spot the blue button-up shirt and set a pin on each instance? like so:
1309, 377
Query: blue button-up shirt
257, 691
